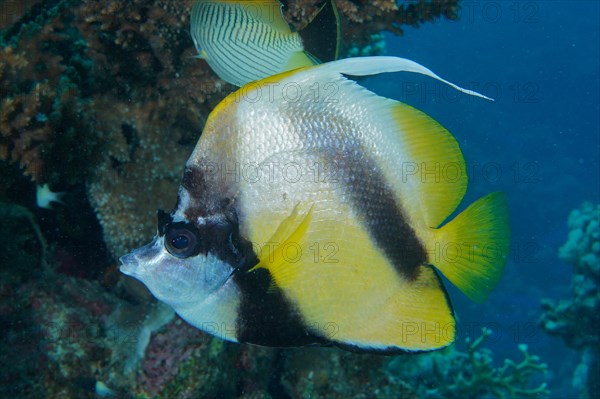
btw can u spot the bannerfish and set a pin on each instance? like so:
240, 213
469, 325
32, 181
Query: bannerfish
244, 41
318, 218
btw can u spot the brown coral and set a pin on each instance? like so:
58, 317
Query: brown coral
13, 10
151, 117
109, 50
362, 19
121, 95
24, 123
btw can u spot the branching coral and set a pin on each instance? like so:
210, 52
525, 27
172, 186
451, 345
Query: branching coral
577, 320
511, 380
42, 112
453, 374
110, 88
60, 56
143, 49
24, 124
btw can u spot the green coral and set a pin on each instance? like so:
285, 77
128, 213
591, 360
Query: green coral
453, 374
511, 380
582, 248
576, 320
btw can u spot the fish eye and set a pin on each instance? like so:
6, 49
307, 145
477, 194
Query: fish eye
182, 241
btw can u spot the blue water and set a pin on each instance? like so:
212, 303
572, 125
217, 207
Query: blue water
539, 142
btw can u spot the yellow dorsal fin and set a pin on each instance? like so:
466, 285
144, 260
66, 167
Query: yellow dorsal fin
435, 169
471, 250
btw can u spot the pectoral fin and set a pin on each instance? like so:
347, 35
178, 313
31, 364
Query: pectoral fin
275, 255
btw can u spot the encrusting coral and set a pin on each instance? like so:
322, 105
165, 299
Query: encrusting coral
577, 320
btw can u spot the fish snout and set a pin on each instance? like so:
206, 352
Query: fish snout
141, 262
129, 264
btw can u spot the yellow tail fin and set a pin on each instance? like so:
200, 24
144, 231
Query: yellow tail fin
471, 250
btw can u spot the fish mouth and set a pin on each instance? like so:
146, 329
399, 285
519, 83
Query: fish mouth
129, 264
133, 264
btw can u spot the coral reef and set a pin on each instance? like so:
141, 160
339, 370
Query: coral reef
106, 100
454, 374
152, 115
76, 335
332, 373
62, 335
577, 320
93, 90
42, 113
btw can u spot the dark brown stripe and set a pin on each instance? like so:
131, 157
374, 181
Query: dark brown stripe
195, 182
265, 316
205, 198
218, 235
363, 182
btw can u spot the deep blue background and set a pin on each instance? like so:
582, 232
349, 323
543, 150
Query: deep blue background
539, 142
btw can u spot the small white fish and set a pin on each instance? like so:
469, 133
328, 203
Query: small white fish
45, 196
103, 391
